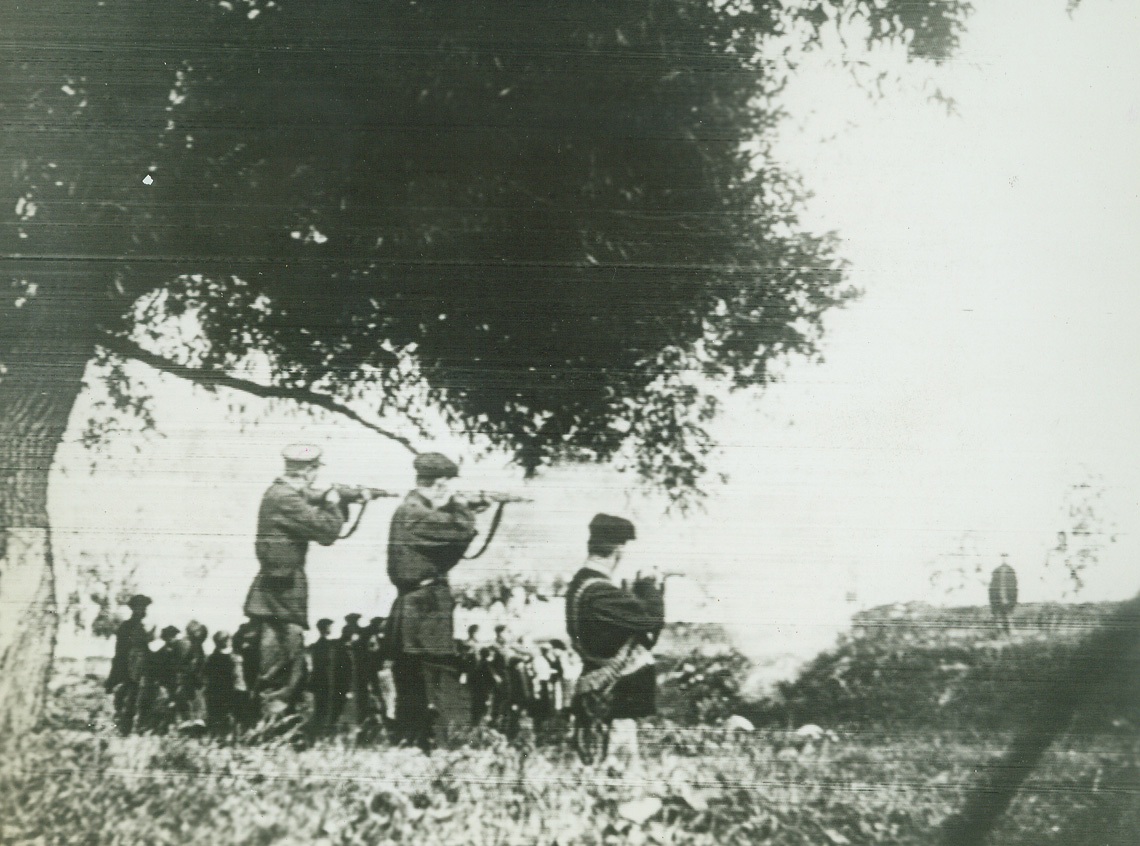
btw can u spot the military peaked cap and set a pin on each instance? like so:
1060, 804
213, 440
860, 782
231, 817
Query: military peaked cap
139, 600
301, 455
607, 529
434, 465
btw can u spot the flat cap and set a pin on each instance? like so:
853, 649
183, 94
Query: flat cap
352, 618
301, 455
607, 529
435, 465
324, 623
169, 630
139, 600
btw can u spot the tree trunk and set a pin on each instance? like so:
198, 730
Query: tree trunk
42, 376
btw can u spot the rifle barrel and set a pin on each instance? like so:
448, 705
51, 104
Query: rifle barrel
496, 496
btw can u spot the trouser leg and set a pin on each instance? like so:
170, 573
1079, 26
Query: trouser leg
320, 725
387, 686
478, 685
126, 699
411, 699
441, 684
282, 663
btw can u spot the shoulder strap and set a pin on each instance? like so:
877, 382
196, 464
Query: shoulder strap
495, 521
573, 621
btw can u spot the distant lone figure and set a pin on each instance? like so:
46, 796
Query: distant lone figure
1003, 594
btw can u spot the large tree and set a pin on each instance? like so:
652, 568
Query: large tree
557, 223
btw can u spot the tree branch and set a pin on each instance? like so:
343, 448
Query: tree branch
211, 379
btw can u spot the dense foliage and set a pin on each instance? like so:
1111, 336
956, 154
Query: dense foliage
552, 223
84, 785
918, 666
77, 782
703, 687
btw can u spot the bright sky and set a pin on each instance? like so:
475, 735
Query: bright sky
991, 363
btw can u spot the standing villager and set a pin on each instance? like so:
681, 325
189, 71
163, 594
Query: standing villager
159, 700
244, 646
292, 515
478, 678
561, 679
225, 687
382, 672
430, 532
132, 649
1003, 594
354, 639
322, 658
192, 696
613, 629
542, 687
500, 655
374, 708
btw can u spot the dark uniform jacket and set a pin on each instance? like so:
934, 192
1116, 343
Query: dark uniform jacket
607, 616
132, 647
287, 522
424, 543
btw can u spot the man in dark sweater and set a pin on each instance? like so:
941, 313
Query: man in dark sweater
430, 532
601, 618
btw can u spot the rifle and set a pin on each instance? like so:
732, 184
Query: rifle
500, 500
352, 494
360, 493
493, 497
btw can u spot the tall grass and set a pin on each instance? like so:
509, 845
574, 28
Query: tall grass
892, 777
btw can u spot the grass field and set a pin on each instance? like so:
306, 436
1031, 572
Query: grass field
77, 783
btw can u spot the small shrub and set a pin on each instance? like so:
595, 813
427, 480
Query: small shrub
701, 688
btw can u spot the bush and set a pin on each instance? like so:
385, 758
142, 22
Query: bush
920, 666
701, 688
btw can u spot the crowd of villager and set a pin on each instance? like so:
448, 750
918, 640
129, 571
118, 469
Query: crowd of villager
179, 687
407, 676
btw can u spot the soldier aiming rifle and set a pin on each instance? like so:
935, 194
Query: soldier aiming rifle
431, 531
293, 513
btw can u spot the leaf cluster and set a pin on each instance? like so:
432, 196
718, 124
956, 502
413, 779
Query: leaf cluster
560, 225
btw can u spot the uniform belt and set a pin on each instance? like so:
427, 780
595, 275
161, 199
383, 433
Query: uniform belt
434, 580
